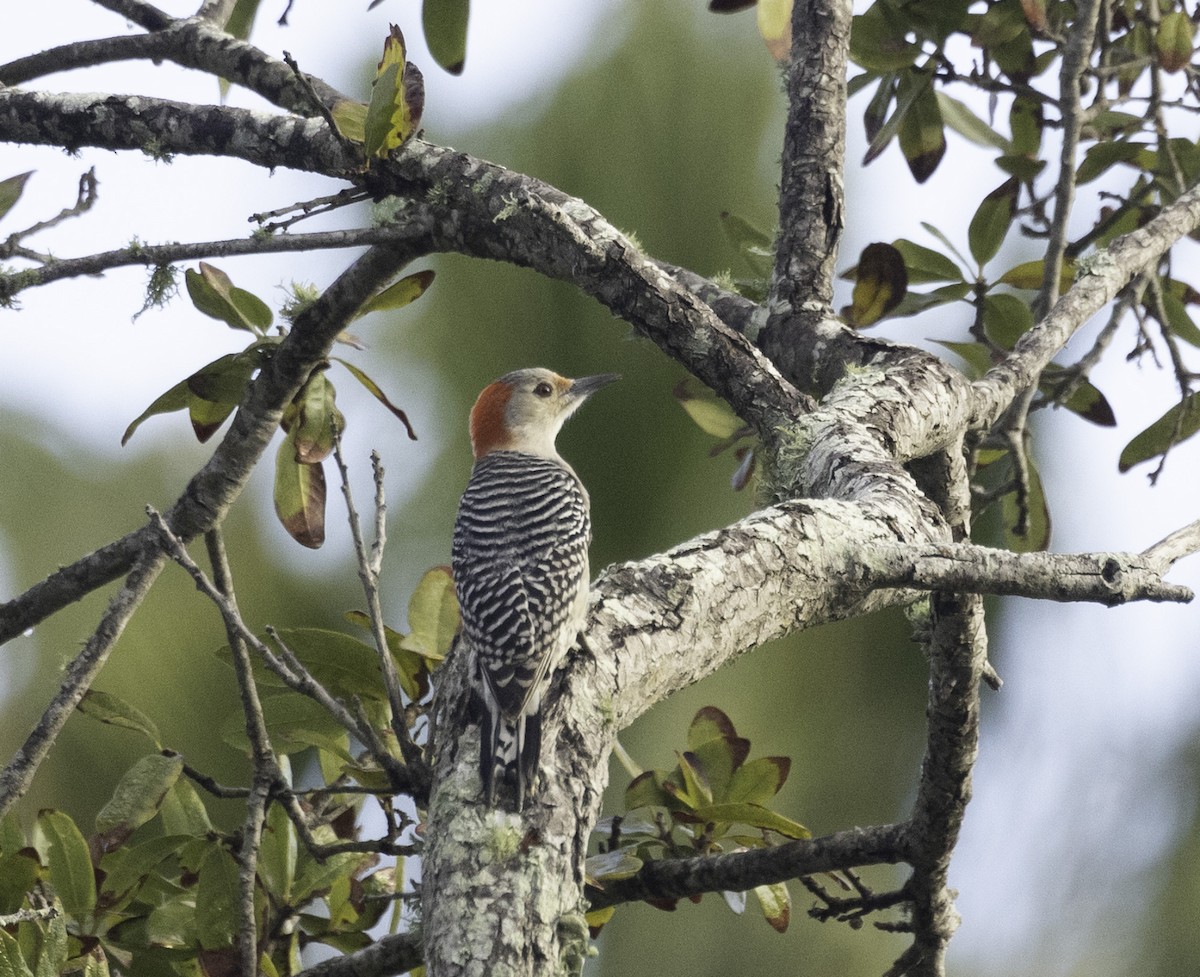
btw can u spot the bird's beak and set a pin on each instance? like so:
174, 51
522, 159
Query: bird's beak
586, 386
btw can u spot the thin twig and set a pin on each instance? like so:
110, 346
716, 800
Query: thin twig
56, 269
369, 575
266, 770
1076, 56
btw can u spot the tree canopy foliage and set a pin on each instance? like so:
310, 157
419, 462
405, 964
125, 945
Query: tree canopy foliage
881, 475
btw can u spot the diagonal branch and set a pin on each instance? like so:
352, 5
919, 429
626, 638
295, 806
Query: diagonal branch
17, 776
213, 489
1099, 279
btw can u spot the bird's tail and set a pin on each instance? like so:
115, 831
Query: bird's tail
509, 751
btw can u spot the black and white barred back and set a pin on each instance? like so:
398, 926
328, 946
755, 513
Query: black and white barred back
520, 558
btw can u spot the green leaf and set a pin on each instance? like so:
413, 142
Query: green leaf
876, 112
915, 302
12, 961
713, 415
317, 878
378, 394
976, 355
350, 119
140, 793
295, 723
1090, 404
69, 863
922, 132
646, 790
433, 616
754, 815
19, 871
945, 242
1029, 274
1104, 155
1005, 319
1174, 41
277, 855
173, 923
211, 393
992, 219
112, 710
925, 265
52, 954
213, 293
445, 26
174, 399
721, 757
967, 124
397, 100
11, 190
95, 963
1174, 427
1177, 315
127, 868
612, 866
776, 904
299, 495
759, 780
217, 899
697, 789
1026, 122
183, 811
311, 419
398, 294
709, 723
879, 42
907, 92
881, 282
775, 26
345, 666
1037, 537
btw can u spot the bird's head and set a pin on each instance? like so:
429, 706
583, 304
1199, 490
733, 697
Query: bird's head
524, 410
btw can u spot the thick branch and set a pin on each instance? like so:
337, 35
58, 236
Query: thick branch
957, 656
814, 148
499, 214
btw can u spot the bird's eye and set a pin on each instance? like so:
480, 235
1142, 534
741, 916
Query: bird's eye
543, 389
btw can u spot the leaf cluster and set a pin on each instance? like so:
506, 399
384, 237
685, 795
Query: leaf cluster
715, 800
311, 422
154, 887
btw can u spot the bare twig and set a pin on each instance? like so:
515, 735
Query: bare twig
266, 772
368, 573
57, 269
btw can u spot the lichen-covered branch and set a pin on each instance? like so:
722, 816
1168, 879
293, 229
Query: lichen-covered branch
740, 871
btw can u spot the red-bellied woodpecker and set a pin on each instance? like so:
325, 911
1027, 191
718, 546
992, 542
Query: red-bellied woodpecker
521, 562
